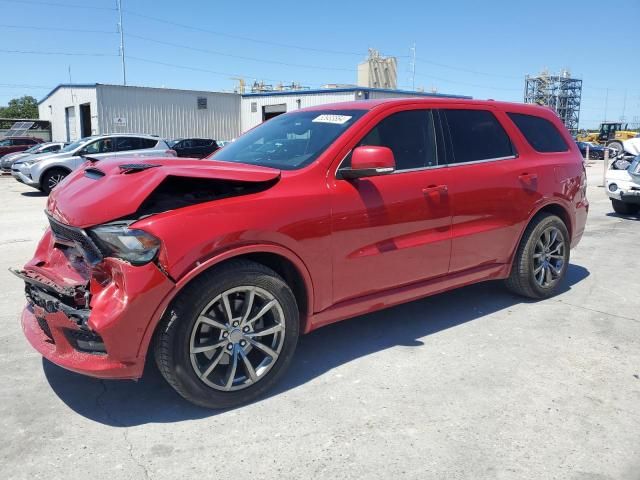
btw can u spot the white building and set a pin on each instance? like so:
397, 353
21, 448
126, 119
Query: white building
77, 111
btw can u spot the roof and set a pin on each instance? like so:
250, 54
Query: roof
352, 89
95, 85
68, 85
370, 104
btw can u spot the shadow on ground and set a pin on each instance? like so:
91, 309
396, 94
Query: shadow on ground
634, 216
35, 193
127, 403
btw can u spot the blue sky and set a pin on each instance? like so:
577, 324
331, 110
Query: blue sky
483, 49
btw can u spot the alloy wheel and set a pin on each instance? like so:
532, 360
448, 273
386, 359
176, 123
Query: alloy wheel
237, 338
549, 257
54, 180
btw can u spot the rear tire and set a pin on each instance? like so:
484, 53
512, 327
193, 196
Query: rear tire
623, 208
207, 337
542, 258
52, 178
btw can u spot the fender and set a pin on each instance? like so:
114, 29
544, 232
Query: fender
216, 259
545, 202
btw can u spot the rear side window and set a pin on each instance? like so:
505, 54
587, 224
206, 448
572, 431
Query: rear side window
477, 135
147, 142
541, 134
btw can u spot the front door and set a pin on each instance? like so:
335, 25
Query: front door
395, 229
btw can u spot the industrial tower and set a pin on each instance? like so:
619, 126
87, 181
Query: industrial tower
560, 92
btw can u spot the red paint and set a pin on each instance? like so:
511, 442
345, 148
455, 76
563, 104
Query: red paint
359, 245
6, 149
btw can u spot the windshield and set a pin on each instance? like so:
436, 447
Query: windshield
5, 143
72, 146
35, 148
289, 141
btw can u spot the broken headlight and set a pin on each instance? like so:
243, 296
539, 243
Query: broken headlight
132, 245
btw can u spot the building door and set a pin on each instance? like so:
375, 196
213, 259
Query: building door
85, 120
70, 119
270, 111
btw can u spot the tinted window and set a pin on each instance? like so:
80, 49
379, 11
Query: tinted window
101, 146
148, 142
51, 148
477, 135
409, 135
202, 143
127, 143
541, 134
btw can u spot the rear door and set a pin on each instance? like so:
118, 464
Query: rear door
491, 188
392, 230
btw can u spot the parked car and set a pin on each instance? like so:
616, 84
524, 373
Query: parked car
17, 144
46, 147
194, 147
46, 171
316, 216
623, 186
596, 151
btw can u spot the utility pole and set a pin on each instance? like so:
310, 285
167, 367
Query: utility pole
413, 66
606, 104
121, 30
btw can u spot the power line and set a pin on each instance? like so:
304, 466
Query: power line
240, 37
467, 70
57, 29
55, 4
204, 70
20, 85
41, 52
469, 84
241, 57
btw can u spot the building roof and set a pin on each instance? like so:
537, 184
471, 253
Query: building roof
67, 85
94, 85
265, 94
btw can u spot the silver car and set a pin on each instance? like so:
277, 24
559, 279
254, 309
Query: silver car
47, 147
44, 172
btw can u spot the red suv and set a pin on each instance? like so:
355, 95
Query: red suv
17, 144
313, 217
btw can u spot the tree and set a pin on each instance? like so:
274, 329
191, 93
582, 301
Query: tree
23, 107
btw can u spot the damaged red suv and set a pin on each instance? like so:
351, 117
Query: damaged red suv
315, 216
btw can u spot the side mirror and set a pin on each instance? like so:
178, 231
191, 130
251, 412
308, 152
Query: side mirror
369, 162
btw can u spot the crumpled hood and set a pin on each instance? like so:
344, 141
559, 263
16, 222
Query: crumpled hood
632, 146
107, 190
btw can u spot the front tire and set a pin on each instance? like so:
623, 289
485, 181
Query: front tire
617, 146
229, 336
542, 258
623, 208
52, 178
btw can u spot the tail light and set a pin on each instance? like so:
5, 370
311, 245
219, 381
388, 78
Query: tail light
173, 153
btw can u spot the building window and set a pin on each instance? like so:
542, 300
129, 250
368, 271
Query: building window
254, 107
202, 103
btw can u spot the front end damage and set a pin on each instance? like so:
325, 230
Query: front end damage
89, 314
90, 309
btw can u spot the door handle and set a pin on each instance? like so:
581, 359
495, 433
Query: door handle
528, 177
442, 189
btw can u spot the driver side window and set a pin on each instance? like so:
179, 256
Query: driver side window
99, 146
410, 135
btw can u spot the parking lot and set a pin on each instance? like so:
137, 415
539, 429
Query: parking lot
474, 383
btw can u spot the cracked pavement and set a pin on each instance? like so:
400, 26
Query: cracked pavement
471, 384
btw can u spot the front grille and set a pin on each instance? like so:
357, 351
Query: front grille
79, 237
44, 326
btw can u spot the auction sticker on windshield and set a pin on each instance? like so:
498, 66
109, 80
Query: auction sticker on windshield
337, 119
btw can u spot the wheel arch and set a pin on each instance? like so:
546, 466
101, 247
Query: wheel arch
554, 208
284, 262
